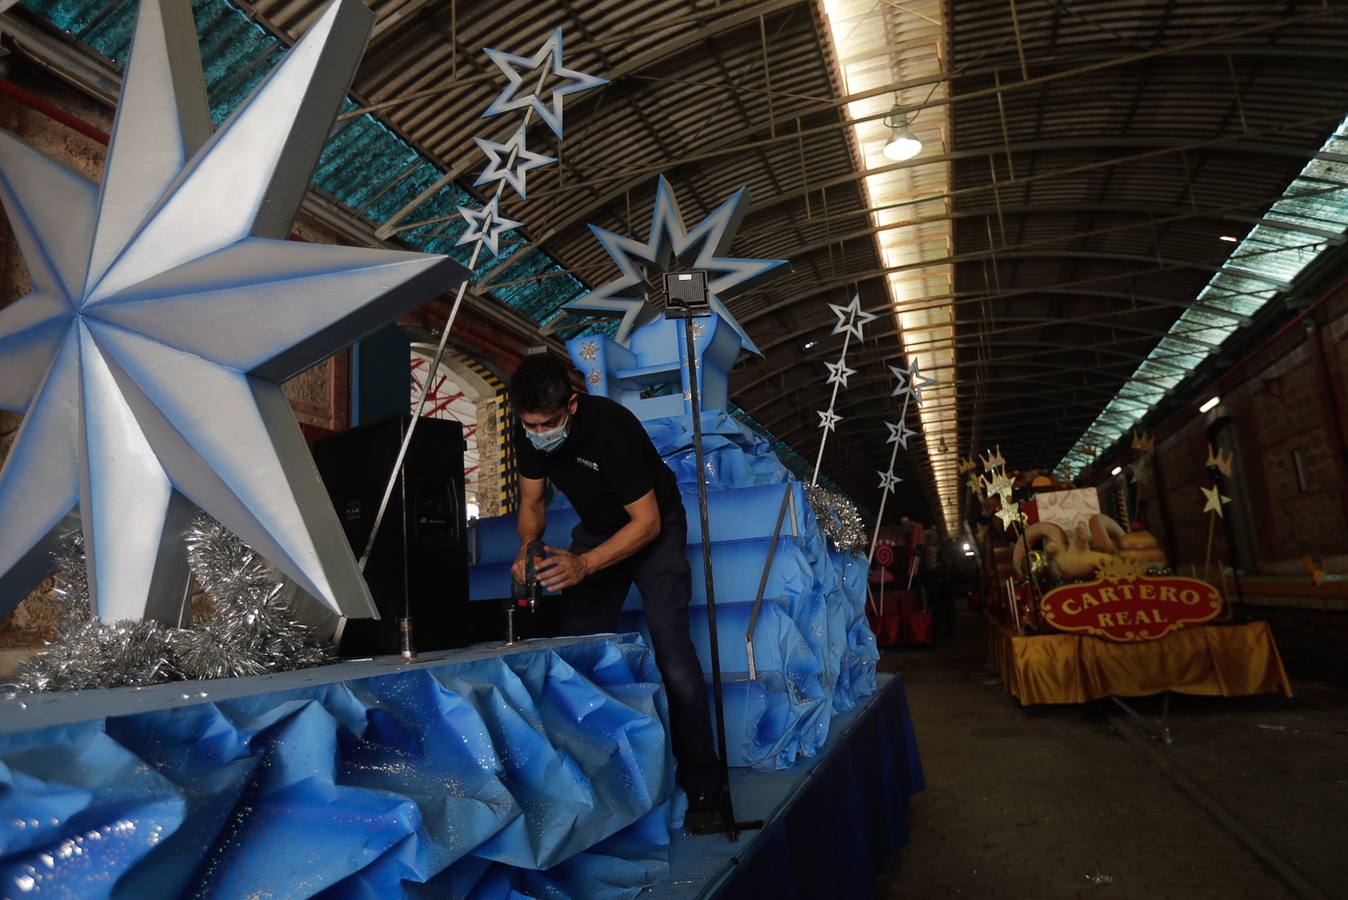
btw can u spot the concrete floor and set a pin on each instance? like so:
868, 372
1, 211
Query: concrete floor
1049, 802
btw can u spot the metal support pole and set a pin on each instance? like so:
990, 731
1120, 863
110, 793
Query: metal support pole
763, 584
728, 812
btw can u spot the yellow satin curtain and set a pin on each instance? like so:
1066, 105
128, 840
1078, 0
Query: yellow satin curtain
1216, 660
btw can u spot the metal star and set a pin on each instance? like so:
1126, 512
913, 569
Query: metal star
851, 317
486, 225
899, 432
1009, 514
669, 241
828, 419
838, 373
510, 162
1214, 500
888, 481
911, 382
550, 112
166, 309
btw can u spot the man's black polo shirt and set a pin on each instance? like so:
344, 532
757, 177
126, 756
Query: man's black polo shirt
606, 462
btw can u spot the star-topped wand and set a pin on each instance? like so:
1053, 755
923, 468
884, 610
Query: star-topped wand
850, 320
910, 384
486, 226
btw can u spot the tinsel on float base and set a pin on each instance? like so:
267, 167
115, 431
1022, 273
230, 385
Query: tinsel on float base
252, 629
839, 518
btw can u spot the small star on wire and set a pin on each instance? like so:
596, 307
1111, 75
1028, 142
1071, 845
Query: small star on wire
911, 382
888, 481
975, 484
899, 433
851, 317
502, 166
1009, 514
828, 419
486, 224
551, 111
1214, 500
838, 372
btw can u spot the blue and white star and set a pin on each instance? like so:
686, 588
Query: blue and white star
668, 241
828, 419
551, 111
510, 162
911, 382
851, 317
899, 433
486, 225
166, 309
888, 481
838, 373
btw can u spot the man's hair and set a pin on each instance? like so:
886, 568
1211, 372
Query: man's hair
540, 384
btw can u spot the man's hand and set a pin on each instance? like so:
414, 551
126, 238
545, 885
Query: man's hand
561, 569
518, 570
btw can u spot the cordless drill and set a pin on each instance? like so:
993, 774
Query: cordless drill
525, 594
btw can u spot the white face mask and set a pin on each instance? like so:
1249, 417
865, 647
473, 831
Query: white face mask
550, 440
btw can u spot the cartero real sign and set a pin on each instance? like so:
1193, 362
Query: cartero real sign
1134, 609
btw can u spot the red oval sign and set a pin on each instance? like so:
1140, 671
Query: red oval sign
1140, 609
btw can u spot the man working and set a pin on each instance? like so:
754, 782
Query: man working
632, 529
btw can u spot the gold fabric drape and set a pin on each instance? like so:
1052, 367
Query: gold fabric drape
1215, 660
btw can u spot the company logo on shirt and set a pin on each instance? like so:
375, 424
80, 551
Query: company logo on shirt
585, 462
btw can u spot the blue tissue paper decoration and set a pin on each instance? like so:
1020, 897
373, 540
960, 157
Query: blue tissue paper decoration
814, 652
545, 772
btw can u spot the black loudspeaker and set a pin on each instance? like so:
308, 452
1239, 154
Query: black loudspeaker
422, 543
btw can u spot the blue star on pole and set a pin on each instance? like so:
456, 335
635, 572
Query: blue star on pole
888, 481
851, 317
838, 373
510, 162
550, 111
486, 225
828, 419
668, 241
899, 433
166, 309
911, 382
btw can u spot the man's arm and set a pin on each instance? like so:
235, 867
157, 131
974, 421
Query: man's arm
532, 521
562, 568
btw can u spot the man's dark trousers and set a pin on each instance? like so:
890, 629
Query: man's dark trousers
660, 572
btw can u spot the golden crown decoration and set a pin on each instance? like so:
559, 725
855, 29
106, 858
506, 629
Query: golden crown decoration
1145, 441
993, 460
1220, 459
1119, 569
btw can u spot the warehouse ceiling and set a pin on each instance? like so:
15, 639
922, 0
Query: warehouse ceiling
1088, 172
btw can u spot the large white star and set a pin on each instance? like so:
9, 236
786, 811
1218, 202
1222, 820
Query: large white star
486, 225
838, 373
551, 111
888, 481
668, 240
828, 419
167, 307
851, 317
510, 162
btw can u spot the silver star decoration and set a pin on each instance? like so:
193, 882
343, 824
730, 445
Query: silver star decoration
1009, 514
899, 433
166, 309
888, 481
486, 225
669, 241
851, 317
838, 373
828, 419
551, 111
911, 382
510, 162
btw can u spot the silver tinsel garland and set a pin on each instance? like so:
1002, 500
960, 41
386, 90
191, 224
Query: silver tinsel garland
251, 630
839, 518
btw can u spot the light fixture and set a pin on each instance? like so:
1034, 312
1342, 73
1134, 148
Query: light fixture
902, 144
1209, 404
1228, 238
966, 545
810, 344
1117, 470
